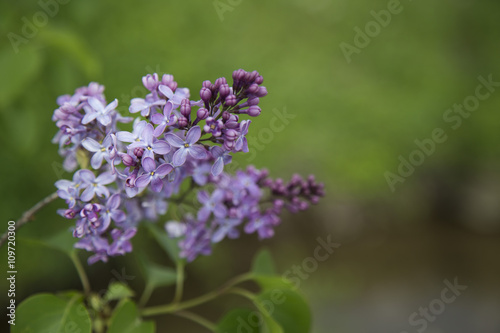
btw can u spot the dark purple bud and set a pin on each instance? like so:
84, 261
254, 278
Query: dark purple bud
259, 79
130, 181
228, 145
138, 152
253, 111
253, 101
314, 199
128, 160
207, 84
230, 100
253, 76
231, 134
205, 94
219, 82
202, 113
224, 90
182, 122
261, 92
225, 116
254, 87
185, 107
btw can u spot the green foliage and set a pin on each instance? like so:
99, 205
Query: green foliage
118, 291
51, 313
168, 244
263, 263
125, 319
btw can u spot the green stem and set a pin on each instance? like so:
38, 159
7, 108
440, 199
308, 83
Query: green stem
180, 281
170, 308
146, 294
197, 319
81, 272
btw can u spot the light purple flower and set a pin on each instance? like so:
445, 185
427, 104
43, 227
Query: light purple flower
226, 227
163, 120
111, 211
121, 241
99, 111
105, 150
211, 204
187, 146
222, 157
138, 127
263, 224
150, 144
96, 185
174, 98
144, 106
175, 229
241, 143
153, 174
69, 194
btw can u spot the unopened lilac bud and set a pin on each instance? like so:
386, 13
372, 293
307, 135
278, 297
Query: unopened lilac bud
130, 181
185, 107
207, 84
138, 152
224, 90
127, 160
228, 145
238, 74
225, 116
230, 100
253, 101
231, 134
219, 82
261, 92
168, 80
205, 94
202, 113
254, 111
254, 87
182, 122
314, 199
259, 79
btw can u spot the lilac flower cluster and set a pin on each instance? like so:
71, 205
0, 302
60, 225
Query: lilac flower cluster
134, 175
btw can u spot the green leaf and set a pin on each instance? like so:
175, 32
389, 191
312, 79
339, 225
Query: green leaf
160, 276
62, 241
125, 319
263, 263
268, 282
288, 308
17, 70
238, 320
170, 245
51, 313
118, 290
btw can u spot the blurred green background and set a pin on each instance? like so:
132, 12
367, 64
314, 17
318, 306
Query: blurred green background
348, 123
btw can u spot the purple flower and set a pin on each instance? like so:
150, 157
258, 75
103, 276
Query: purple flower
96, 244
121, 241
125, 136
241, 142
196, 242
96, 185
99, 111
200, 173
222, 157
105, 150
175, 229
144, 106
213, 126
211, 204
263, 224
111, 211
174, 98
69, 194
153, 175
163, 120
226, 227
150, 144
187, 146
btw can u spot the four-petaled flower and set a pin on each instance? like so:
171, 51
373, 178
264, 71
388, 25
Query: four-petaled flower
96, 185
187, 146
153, 174
163, 120
174, 98
105, 150
111, 211
211, 204
150, 144
125, 136
140, 104
221, 157
99, 111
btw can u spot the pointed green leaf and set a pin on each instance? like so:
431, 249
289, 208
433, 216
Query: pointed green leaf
51, 313
170, 245
238, 320
118, 290
125, 319
263, 263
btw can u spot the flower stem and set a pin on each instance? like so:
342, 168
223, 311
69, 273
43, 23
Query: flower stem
180, 282
171, 308
27, 215
81, 272
197, 319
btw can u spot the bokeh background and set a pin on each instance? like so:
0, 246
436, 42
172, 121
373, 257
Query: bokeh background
349, 122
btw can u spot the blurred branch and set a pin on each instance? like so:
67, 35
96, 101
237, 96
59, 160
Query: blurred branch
26, 217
